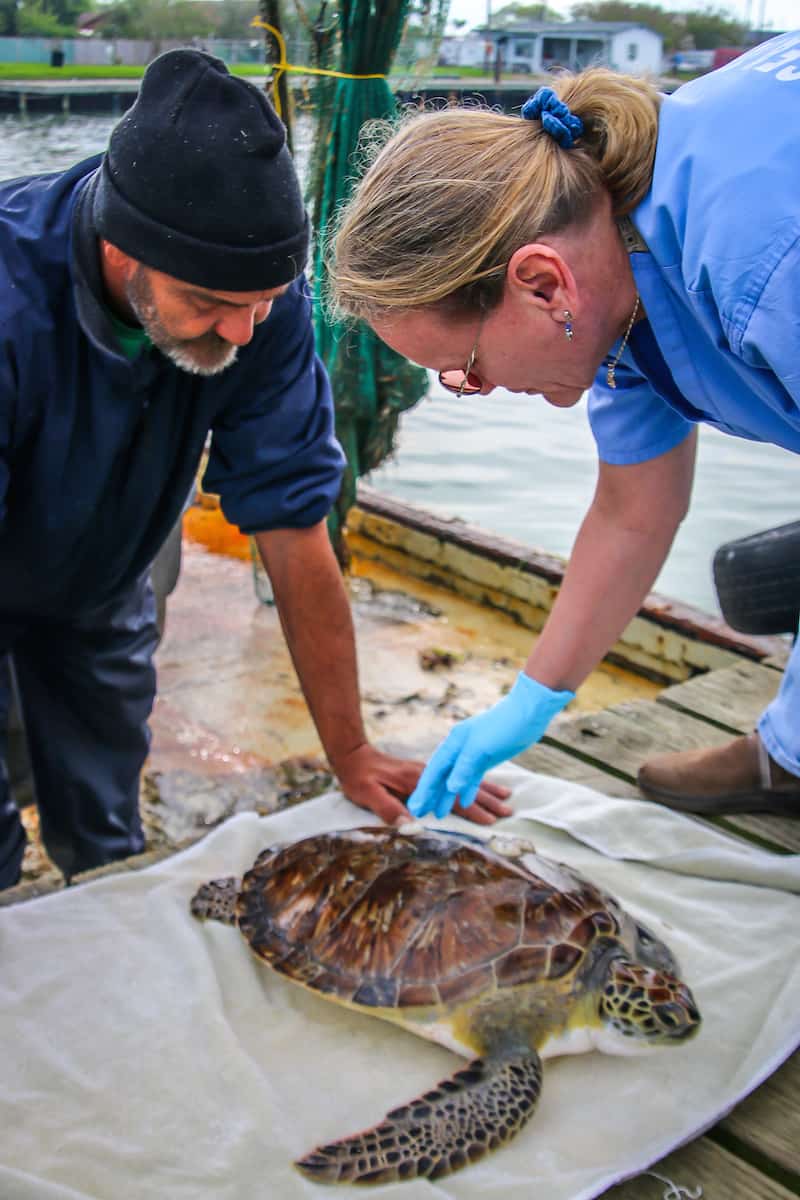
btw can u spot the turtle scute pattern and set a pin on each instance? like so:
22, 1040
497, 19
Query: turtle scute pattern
408, 920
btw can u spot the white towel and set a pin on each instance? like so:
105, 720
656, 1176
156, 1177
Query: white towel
146, 1056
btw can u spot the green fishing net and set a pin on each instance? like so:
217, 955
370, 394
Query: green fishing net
372, 385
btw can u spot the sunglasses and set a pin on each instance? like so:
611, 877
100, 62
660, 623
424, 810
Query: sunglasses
466, 382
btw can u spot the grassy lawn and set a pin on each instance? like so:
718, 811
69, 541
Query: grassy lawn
71, 71
459, 72
33, 71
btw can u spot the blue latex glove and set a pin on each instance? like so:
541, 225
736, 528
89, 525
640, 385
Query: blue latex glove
474, 746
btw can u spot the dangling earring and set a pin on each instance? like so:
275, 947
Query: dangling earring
569, 332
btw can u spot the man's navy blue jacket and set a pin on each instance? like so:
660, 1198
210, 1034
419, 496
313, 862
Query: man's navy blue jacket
98, 453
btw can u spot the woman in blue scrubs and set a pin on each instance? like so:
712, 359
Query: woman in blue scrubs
645, 248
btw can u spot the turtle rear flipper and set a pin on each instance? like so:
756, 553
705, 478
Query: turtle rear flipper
456, 1123
216, 901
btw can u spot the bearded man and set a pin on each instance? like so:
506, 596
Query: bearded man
150, 296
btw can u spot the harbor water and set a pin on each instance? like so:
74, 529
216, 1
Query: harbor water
508, 463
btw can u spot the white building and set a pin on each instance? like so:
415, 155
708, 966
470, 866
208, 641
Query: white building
471, 50
532, 48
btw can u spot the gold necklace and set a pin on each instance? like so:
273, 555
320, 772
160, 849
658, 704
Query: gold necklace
612, 366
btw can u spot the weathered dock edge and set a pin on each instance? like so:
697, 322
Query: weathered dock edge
667, 641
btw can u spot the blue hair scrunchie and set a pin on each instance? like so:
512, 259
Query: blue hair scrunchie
556, 118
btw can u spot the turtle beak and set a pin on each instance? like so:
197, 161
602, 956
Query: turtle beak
680, 1018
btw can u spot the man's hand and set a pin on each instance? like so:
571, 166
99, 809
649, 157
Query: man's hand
316, 619
381, 783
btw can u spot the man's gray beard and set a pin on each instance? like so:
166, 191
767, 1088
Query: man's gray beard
180, 353
207, 355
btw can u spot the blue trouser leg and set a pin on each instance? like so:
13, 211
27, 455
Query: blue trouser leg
779, 725
87, 688
12, 835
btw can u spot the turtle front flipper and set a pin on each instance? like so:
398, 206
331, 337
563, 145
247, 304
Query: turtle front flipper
216, 901
456, 1123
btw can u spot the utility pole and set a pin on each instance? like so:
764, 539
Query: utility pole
488, 42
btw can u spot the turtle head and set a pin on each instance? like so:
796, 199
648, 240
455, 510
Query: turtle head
641, 1005
216, 901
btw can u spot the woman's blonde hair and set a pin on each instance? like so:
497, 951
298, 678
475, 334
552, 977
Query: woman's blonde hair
454, 193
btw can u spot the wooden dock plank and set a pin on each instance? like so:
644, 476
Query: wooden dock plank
549, 760
767, 1122
702, 1164
620, 739
779, 659
733, 697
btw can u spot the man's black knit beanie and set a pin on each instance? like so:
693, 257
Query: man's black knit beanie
198, 183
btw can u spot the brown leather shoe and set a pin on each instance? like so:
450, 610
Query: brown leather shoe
737, 778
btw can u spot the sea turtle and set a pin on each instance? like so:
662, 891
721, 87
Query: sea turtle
486, 947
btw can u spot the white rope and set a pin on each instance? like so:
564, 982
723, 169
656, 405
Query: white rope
674, 1190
